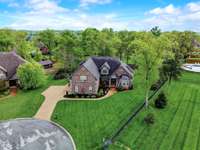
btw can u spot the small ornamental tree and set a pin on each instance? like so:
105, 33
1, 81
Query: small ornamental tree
150, 51
31, 75
149, 119
161, 101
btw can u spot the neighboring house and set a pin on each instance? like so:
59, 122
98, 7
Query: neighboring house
43, 48
96, 72
46, 64
196, 44
9, 62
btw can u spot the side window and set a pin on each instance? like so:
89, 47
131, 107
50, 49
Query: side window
90, 88
76, 89
2, 75
83, 78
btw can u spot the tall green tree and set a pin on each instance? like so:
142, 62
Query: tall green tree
31, 75
124, 50
49, 38
7, 40
170, 70
106, 47
67, 45
25, 49
150, 53
90, 42
156, 31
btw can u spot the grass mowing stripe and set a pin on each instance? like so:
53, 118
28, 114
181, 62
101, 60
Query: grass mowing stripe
131, 135
135, 131
192, 136
170, 122
175, 124
198, 142
159, 131
182, 133
117, 107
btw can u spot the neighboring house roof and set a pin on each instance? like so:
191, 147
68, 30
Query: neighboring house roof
46, 62
92, 68
112, 62
10, 62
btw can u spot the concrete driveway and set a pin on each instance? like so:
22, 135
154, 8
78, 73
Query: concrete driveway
56, 93
52, 95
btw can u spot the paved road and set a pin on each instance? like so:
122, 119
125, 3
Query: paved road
34, 134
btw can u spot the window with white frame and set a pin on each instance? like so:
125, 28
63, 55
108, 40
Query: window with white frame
76, 89
104, 71
90, 88
83, 78
2, 75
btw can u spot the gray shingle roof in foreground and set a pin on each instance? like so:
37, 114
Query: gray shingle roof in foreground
92, 68
32, 134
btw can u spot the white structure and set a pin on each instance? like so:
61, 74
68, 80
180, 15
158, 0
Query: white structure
191, 67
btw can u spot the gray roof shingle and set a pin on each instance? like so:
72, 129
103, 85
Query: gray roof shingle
10, 61
112, 62
94, 65
92, 68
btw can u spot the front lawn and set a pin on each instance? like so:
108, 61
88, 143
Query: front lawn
26, 103
177, 127
90, 122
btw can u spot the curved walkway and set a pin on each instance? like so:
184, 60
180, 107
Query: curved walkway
53, 95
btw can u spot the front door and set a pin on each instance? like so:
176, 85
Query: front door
113, 82
13, 83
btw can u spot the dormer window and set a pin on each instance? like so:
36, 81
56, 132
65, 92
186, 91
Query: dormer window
105, 69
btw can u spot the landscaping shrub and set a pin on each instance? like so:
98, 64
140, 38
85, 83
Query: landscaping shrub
61, 74
4, 93
131, 87
149, 119
3, 86
31, 75
120, 88
161, 101
156, 85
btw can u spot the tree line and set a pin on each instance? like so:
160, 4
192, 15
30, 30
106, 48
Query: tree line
150, 50
78, 45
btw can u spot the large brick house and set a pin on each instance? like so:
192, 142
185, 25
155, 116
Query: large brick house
99, 72
9, 62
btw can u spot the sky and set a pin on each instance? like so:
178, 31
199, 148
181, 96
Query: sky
136, 15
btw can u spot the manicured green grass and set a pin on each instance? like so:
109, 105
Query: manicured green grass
26, 103
177, 127
90, 122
